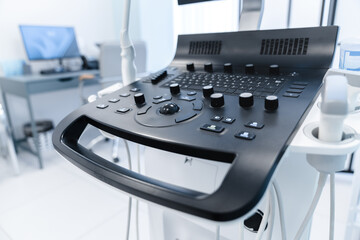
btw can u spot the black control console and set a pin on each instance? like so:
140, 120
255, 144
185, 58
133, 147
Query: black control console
231, 97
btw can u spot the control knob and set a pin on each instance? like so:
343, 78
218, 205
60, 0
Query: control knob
139, 98
217, 100
190, 67
249, 68
246, 100
274, 69
208, 67
228, 67
208, 90
271, 103
174, 88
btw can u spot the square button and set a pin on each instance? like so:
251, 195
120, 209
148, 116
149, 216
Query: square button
245, 135
102, 106
212, 128
123, 110
229, 120
254, 124
216, 118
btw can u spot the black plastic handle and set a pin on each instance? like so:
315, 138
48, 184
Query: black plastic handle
230, 201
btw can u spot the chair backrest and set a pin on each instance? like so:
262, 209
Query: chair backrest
110, 58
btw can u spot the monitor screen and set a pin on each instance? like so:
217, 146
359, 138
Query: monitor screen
46, 42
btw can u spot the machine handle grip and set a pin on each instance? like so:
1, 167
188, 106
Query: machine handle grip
226, 203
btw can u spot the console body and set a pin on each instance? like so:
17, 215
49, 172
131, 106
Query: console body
252, 140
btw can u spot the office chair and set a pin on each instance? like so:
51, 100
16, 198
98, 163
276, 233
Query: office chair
110, 73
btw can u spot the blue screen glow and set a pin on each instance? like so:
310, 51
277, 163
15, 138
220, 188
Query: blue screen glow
45, 42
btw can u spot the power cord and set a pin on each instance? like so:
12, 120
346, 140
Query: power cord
281, 208
320, 187
332, 206
264, 219
217, 232
137, 201
130, 198
272, 213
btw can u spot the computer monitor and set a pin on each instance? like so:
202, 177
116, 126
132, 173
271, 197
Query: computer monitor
49, 42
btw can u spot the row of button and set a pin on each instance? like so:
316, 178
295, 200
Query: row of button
115, 100
251, 124
218, 129
295, 89
226, 120
228, 67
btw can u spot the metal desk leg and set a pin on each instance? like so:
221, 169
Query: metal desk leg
12, 154
7, 113
35, 134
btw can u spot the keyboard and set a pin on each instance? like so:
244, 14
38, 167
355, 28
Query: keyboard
259, 86
56, 71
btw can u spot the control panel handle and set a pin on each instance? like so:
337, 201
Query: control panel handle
67, 135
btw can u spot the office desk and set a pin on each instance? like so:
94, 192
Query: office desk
25, 86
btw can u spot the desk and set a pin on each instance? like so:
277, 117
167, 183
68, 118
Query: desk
26, 85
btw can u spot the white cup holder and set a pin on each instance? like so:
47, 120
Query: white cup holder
325, 160
312, 131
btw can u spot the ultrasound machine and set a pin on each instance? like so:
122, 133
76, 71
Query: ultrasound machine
234, 132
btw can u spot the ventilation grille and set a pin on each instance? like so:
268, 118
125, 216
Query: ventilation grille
205, 47
285, 46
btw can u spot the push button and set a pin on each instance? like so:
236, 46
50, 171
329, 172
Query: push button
114, 100
292, 95
144, 110
216, 118
192, 93
187, 98
297, 87
184, 117
123, 110
161, 100
212, 128
102, 106
301, 83
134, 90
197, 105
229, 120
124, 94
294, 91
254, 124
157, 97
245, 135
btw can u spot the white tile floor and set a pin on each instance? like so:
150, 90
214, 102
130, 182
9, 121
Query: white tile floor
62, 202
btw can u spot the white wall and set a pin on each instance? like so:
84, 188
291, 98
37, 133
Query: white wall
93, 20
157, 29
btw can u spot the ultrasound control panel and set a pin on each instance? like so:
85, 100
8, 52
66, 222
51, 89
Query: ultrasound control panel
230, 97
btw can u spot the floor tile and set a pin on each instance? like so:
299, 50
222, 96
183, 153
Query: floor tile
65, 213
